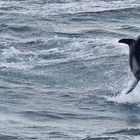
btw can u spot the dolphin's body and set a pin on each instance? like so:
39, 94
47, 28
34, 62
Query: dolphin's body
134, 59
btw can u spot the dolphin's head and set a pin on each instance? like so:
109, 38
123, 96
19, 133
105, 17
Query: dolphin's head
129, 42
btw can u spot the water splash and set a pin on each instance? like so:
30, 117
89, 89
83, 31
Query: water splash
123, 98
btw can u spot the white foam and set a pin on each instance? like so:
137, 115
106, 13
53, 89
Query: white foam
131, 98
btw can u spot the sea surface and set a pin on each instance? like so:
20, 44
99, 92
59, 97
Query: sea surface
61, 66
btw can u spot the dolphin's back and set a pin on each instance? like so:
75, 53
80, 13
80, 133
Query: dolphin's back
137, 51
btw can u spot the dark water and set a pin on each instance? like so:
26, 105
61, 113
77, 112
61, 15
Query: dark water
60, 65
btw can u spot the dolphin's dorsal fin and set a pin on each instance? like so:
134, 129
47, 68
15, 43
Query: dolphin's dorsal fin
129, 42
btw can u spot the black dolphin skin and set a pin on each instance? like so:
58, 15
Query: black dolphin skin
134, 59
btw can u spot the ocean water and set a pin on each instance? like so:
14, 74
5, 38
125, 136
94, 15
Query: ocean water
61, 66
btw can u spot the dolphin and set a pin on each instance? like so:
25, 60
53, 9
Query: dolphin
134, 59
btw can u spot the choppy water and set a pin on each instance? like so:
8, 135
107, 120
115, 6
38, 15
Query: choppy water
61, 64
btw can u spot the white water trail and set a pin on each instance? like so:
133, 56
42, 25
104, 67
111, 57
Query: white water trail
123, 98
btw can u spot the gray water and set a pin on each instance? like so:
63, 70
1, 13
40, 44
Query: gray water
60, 67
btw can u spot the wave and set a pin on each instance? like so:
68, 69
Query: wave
129, 28
128, 132
54, 115
16, 28
90, 33
72, 7
57, 51
44, 114
100, 138
8, 137
22, 28
57, 134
